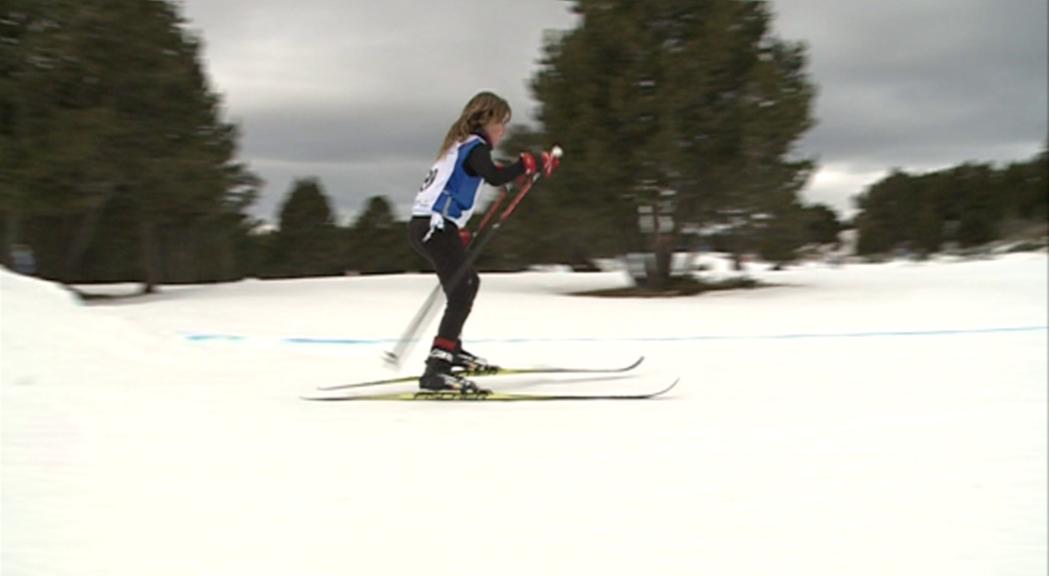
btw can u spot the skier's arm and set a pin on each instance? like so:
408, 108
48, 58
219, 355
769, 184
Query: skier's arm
479, 163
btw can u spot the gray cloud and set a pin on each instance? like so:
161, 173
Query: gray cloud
363, 134
359, 94
924, 83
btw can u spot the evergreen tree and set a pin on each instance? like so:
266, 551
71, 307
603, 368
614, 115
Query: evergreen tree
689, 108
969, 204
981, 209
822, 224
106, 109
377, 242
1033, 204
307, 242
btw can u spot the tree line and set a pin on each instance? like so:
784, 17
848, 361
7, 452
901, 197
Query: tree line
967, 205
115, 162
680, 118
308, 241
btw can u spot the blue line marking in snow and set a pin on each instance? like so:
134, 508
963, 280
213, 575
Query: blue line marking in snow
207, 337
696, 338
336, 341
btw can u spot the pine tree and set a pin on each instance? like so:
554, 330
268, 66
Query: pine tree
108, 109
822, 224
377, 242
307, 242
689, 108
969, 204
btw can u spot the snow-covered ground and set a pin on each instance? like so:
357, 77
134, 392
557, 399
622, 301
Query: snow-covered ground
869, 419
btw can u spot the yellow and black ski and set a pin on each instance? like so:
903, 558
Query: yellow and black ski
455, 396
494, 372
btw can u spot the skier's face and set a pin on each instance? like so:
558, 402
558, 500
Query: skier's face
496, 130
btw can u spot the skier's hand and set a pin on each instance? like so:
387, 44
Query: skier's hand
530, 163
465, 236
545, 161
550, 163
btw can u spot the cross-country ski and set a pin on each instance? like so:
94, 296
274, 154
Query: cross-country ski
494, 371
489, 396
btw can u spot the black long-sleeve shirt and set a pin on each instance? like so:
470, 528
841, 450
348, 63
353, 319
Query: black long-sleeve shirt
479, 163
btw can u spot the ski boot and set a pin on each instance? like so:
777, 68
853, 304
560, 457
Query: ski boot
439, 376
470, 363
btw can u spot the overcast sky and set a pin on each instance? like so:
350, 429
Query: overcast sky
359, 93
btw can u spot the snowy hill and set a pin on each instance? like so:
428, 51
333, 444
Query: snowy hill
869, 419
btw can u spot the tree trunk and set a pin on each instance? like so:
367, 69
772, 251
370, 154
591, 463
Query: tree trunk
737, 251
11, 230
664, 238
662, 250
85, 235
737, 261
147, 233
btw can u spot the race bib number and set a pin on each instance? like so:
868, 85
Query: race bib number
429, 179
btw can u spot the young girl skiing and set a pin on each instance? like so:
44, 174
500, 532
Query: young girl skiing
438, 232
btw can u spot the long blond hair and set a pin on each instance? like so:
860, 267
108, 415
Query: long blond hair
483, 108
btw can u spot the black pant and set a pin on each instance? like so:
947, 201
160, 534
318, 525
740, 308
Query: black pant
446, 252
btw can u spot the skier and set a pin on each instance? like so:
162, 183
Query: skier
437, 229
